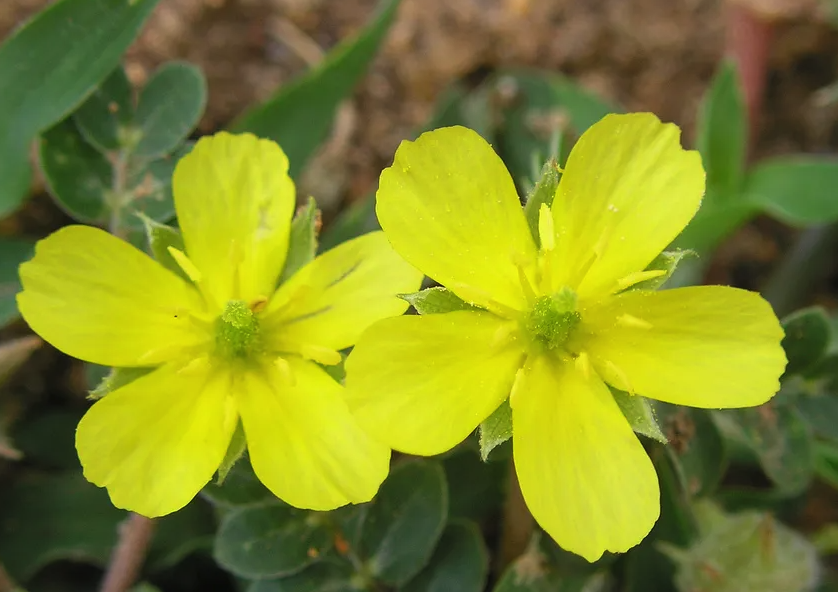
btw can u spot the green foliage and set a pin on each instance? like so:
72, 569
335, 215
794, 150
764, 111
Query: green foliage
49, 66
300, 114
542, 192
640, 414
495, 429
13, 252
436, 300
798, 190
807, 337
459, 562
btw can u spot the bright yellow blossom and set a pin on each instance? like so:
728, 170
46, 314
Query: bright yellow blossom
227, 346
557, 323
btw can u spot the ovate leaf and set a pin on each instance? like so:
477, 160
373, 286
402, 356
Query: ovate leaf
798, 190
436, 301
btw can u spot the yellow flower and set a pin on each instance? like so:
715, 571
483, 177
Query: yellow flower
228, 345
557, 324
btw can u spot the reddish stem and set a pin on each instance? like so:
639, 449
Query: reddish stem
134, 538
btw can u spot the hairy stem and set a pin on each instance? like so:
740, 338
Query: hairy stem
518, 524
135, 535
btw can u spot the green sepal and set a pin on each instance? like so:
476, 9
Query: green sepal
668, 262
302, 243
160, 237
639, 413
495, 429
435, 301
235, 450
542, 192
117, 378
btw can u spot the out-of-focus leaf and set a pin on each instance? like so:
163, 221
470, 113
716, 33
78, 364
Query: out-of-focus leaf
150, 186
640, 414
104, 118
715, 221
47, 439
780, 439
302, 244
798, 190
722, 132
475, 489
13, 252
177, 535
808, 334
495, 429
270, 540
695, 445
405, 521
826, 539
78, 176
357, 219
460, 562
320, 577
170, 105
435, 300
48, 67
241, 487
45, 519
299, 116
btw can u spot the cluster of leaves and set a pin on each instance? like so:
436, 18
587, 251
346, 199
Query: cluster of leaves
728, 478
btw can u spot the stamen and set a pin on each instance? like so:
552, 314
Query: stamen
529, 291
185, 264
546, 230
285, 372
631, 321
258, 304
502, 334
321, 355
637, 277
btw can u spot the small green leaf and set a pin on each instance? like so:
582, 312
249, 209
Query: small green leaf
48, 66
235, 450
798, 190
436, 301
495, 429
270, 541
639, 413
78, 176
107, 113
320, 577
170, 105
302, 244
668, 262
405, 521
300, 115
13, 252
722, 132
117, 378
780, 439
241, 487
808, 334
460, 562
695, 445
542, 192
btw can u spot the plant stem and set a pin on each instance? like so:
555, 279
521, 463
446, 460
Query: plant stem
518, 524
135, 535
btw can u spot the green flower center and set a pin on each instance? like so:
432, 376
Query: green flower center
237, 330
552, 319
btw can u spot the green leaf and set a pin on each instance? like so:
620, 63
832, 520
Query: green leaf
48, 67
476, 490
534, 572
808, 334
542, 192
405, 521
241, 487
826, 539
270, 540
177, 535
47, 439
78, 176
460, 562
357, 219
780, 439
49, 518
300, 115
495, 429
149, 184
639, 413
798, 190
106, 115
302, 244
320, 577
716, 220
436, 300
235, 450
13, 252
170, 105
667, 262
722, 132
117, 378
695, 445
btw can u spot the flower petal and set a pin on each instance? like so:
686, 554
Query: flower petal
157, 441
304, 444
423, 384
583, 473
627, 191
703, 346
99, 299
234, 201
330, 301
449, 207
